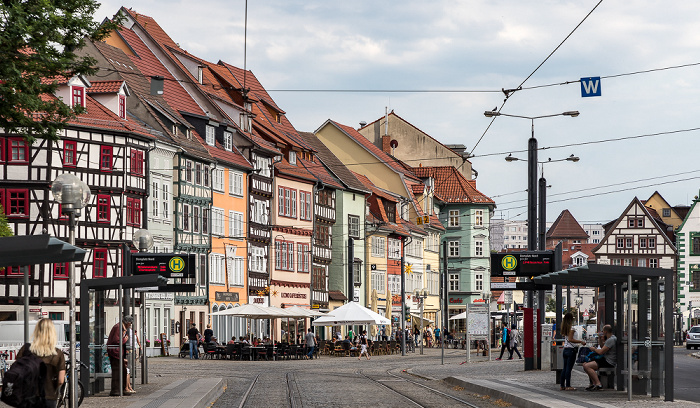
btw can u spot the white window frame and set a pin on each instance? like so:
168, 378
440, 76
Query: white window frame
235, 183
478, 282
217, 221
292, 157
354, 226
478, 248
378, 281
218, 179
235, 270
394, 248
228, 141
211, 135
453, 220
479, 218
235, 224
379, 247
453, 249
454, 282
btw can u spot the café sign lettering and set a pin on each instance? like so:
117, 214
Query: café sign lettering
288, 295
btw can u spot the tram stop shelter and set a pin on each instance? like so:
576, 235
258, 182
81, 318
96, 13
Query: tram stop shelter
639, 305
93, 335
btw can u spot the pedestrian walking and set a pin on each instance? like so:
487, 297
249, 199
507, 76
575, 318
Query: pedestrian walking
363, 345
384, 336
310, 341
437, 336
118, 337
44, 346
514, 340
505, 339
567, 330
193, 336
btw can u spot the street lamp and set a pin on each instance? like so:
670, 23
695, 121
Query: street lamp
73, 194
532, 196
578, 301
421, 295
143, 241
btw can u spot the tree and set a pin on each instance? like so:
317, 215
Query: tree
5, 230
38, 40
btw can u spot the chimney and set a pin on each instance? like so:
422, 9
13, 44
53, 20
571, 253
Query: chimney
386, 144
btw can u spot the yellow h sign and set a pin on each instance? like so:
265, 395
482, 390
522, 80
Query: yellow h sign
509, 262
176, 264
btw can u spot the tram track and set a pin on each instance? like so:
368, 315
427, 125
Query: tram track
293, 395
410, 394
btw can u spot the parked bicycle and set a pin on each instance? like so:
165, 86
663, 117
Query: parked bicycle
64, 392
3, 366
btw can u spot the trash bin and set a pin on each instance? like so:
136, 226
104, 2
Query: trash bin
557, 354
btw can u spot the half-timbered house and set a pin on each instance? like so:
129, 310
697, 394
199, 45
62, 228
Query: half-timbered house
106, 150
637, 238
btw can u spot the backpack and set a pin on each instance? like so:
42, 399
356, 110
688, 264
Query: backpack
23, 383
583, 355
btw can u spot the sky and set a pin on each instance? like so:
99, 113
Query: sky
296, 47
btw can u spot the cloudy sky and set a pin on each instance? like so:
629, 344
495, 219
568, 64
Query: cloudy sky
478, 45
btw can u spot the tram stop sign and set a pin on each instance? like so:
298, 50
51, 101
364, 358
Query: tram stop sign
525, 263
168, 265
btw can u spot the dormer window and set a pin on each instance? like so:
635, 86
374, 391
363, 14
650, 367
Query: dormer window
293, 157
122, 106
228, 141
211, 139
78, 96
200, 74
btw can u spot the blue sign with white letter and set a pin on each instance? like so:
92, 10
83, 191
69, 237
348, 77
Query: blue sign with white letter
590, 86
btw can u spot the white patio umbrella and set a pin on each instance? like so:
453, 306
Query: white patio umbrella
349, 314
462, 315
252, 311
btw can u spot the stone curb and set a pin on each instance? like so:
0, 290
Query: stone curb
200, 393
515, 395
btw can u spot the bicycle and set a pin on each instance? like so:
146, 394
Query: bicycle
64, 392
3, 367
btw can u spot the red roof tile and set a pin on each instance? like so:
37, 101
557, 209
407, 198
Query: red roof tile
149, 65
566, 226
451, 186
105, 86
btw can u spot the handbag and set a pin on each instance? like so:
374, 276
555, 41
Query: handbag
584, 355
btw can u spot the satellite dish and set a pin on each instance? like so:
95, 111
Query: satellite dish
394, 144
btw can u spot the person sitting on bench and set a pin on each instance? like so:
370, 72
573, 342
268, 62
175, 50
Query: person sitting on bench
604, 357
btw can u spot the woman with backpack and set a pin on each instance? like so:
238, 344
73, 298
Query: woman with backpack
43, 345
568, 332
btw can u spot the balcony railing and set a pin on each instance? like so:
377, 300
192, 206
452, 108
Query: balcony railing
260, 184
325, 213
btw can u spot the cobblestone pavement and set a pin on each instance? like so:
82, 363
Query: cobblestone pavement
346, 382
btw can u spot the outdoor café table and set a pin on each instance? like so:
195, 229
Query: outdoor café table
254, 351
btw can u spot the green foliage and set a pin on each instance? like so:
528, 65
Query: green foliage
38, 40
551, 305
5, 230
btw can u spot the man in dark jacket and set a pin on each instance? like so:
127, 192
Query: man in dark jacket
193, 336
118, 337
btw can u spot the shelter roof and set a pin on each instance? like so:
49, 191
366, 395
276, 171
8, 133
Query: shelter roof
596, 275
105, 86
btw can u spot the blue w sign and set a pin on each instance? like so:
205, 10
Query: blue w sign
590, 86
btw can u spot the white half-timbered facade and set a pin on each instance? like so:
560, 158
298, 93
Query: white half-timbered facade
109, 154
637, 238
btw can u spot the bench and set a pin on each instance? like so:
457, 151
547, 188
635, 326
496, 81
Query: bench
607, 377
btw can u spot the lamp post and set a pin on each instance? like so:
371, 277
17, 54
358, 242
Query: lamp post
578, 301
421, 295
143, 241
532, 202
73, 194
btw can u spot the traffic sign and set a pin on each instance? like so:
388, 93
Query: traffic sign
590, 86
585, 314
